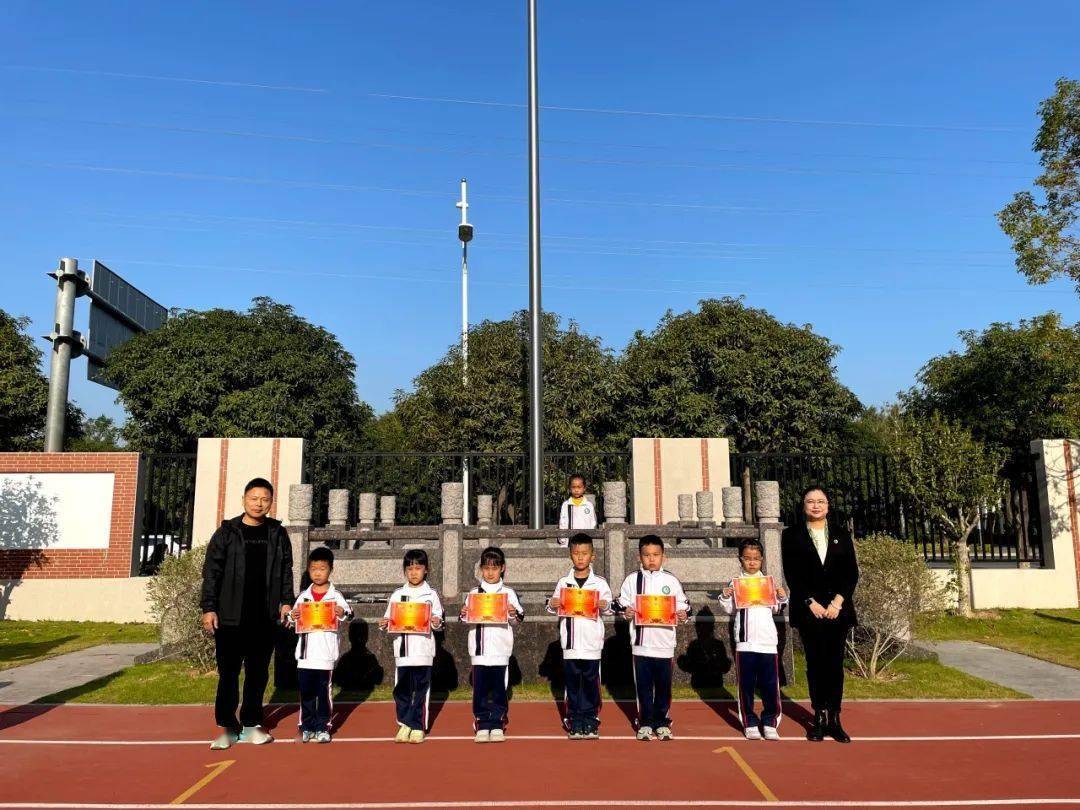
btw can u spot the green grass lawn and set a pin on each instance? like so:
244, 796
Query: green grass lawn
1053, 635
26, 642
169, 682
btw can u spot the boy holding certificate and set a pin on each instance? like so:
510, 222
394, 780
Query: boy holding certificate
579, 599
491, 609
653, 601
414, 647
316, 615
754, 600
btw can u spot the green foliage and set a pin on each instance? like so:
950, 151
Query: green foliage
729, 370
947, 475
1009, 385
1044, 233
894, 586
24, 390
99, 435
174, 603
582, 384
264, 372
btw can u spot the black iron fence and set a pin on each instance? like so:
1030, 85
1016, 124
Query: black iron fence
416, 479
863, 496
168, 508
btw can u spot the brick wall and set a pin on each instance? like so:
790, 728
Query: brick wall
115, 561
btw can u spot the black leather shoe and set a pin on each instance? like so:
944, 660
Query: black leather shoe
835, 730
817, 731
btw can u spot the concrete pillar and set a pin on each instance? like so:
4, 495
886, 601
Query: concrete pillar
706, 509
300, 503
731, 497
484, 511
615, 551
453, 502
366, 510
686, 510
615, 501
767, 495
338, 511
450, 539
387, 508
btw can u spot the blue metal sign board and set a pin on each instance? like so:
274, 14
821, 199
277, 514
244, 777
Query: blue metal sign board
118, 311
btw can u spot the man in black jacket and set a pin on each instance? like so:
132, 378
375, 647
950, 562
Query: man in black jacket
247, 589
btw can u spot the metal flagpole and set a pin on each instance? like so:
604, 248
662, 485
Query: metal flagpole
465, 235
536, 392
66, 344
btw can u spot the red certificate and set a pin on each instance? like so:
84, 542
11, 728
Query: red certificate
410, 617
754, 592
655, 610
317, 616
580, 603
487, 608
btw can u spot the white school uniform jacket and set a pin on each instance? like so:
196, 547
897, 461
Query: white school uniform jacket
576, 518
410, 649
583, 638
319, 649
490, 645
652, 642
755, 629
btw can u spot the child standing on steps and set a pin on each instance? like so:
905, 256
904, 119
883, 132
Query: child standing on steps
577, 512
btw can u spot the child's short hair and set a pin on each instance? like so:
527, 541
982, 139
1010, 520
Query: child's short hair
650, 540
492, 554
751, 542
258, 483
580, 539
321, 554
575, 477
415, 556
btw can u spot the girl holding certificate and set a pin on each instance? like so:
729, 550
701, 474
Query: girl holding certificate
821, 572
491, 609
413, 612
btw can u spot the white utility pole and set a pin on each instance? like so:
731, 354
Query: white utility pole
465, 235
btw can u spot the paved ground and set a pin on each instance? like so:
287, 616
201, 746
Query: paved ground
1040, 679
29, 683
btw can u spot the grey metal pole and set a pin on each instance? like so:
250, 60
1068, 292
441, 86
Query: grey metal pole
70, 283
536, 382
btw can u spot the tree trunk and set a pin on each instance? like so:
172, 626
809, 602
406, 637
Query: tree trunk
963, 576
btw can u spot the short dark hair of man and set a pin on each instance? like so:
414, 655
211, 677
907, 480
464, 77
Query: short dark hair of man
492, 554
751, 542
576, 477
650, 540
321, 554
580, 539
415, 556
259, 483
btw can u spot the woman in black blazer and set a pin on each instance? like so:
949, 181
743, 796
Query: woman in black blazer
821, 573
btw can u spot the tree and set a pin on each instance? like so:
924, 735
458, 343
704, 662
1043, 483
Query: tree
24, 391
948, 476
264, 372
1009, 385
1044, 233
581, 389
729, 370
99, 435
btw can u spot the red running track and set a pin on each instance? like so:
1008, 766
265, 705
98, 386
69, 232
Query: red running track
906, 754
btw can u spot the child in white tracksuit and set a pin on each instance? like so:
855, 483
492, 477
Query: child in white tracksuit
582, 643
756, 662
490, 646
414, 653
577, 513
654, 647
317, 651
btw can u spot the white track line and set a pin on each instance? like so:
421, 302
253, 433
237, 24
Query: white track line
1013, 802
469, 738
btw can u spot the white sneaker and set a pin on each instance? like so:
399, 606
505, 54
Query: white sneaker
402, 734
753, 733
416, 735
307, 736
255, 735
498, 735
482, 736
645, 733
223, 741
664, 733
322, 737
769, 733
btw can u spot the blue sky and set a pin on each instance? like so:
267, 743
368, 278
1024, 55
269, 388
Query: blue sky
838, 164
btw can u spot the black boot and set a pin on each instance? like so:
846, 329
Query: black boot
834, 729
817, 731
